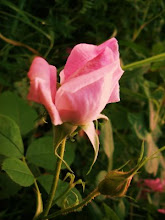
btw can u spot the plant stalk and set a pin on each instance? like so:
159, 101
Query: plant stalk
39, 206
55, 180
140, 63
88, 199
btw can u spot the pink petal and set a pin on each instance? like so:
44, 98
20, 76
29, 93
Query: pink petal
154, 184
98, 62
115, 95
45, 97
82, 98
113, 45
82, 53
38, 69
43, 86
161, 211
78, 57
53, 81
76, 107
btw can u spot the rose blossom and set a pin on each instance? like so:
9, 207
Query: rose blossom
88, 81
161, 211
155, 185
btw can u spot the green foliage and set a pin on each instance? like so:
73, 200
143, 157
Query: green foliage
10, 138
106, 140
18, 171
110, 214
18, 110
69, 153
137, 122
71, 198
41, 153
7, 187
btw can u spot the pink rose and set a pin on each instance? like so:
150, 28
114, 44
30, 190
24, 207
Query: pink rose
155, 185
88, 81
161, 211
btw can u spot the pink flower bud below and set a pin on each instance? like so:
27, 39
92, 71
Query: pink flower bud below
161, 211
115, 183
156, 185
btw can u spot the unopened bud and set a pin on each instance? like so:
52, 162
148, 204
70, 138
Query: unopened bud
115, 183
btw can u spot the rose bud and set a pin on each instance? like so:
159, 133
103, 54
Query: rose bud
89, 81
115, 183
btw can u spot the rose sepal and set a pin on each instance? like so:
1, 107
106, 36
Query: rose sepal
116, 182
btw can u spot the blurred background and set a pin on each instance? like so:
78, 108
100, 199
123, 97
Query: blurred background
51, 29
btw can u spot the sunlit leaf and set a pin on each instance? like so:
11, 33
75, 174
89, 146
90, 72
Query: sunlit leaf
18, 171
18, 110
120, 209
137, 122
152, 165
41, 153
106, 139
46, 182
110, 214
10, 138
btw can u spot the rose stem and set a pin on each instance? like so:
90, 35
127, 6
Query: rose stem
55, 180
140, 63
88, 199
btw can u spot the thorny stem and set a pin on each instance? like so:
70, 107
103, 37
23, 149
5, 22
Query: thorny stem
55, 180
91, 196
63, 194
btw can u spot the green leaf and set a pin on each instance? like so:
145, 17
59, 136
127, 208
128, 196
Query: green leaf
162, 74
158, 47
7, 187
2, 157
120, 209
89, 129
10, 138
118, 116
137, 122
18, 171
152, 165
46, 182
69, 153
41, 153
100, 176
106, 139
110, 214
140, 50
18, 110
94, 211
